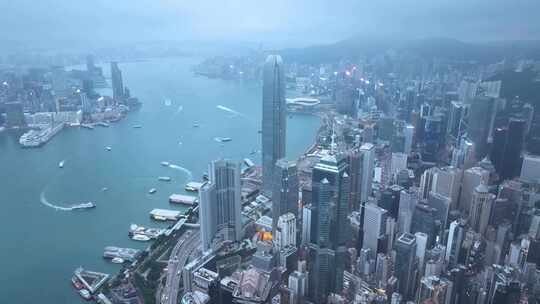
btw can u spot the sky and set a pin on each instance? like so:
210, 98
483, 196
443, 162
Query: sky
289, 22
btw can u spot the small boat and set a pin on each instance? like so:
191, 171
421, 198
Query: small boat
108, 148
168, 102
104, 189
152, 191
165, 164
140, 237
88, 205
118, 260
222, 139
76, 283
61, 164
137, 126
85, 294
196, 125
164, 179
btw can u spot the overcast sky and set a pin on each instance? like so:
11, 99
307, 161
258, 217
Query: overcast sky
280, 21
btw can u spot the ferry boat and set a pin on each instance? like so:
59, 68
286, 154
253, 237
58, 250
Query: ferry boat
165, 164
88, 205
164, 178
61, 164
152, 191
140, 237
85, 294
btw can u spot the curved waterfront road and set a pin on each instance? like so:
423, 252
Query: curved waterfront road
180, 254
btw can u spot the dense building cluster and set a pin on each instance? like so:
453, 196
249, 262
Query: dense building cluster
422, 187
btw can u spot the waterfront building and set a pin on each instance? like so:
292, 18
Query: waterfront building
14, 115
273, 118
220, 204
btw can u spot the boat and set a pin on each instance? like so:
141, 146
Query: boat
152, 191
61, 164
165, 164
88, 205
76, 283
137, 126
117, 260
222, 139
85, 294
108, 148
193, 186
196, 125
164, 178
140, 237
168, 102
104, 189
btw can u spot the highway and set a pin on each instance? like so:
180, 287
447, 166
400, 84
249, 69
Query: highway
180, 254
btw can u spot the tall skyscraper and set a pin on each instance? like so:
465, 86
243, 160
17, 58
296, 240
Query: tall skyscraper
447, 182
368, 152
374, 227
285, 190
480, 124
285, 233
507, 146
330, 208
273, 118
480, 211
472, 177
405, 265
408, 199
220, 204
117, 82
456, 233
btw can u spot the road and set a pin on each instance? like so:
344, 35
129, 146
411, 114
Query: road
180, 254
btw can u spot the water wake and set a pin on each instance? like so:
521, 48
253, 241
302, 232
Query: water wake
45, 202
224, 108
186, 171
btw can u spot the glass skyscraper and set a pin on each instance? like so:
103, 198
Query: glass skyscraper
273, 118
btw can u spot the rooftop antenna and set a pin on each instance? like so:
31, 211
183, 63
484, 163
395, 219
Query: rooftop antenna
333, 144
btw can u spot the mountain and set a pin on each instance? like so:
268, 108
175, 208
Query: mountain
443, 48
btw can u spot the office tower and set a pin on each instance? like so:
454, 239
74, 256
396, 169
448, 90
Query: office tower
220, 204
408, 199
368, 153
285, 190
472, 177
426, 183
467, 90
396, 298
117, 82
90, 66
390, 200
423, 220
463, 155
405, 265
434, 289
441, 204
383, 270
14, 115
507, 146
398, 163
59, 81
480, 211
456, 233
273, 118
298, 284
409, 137
355, 160
306, 224
433, 137
447, 182
480, 124
374, 227
530, 169
329, 233
421, 248
285, 233
456, 125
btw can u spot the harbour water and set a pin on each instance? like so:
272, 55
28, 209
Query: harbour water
43, 241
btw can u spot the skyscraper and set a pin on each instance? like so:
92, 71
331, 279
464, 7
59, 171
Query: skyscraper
220, 204
329, 234
480, 124
117, 82
405, 265
368, 152
480, 211
285, 190
374, 227
273, 118
472, 177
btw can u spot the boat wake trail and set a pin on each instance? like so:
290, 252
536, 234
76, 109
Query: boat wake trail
45, 202
224, 108
180, 109
186, 171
